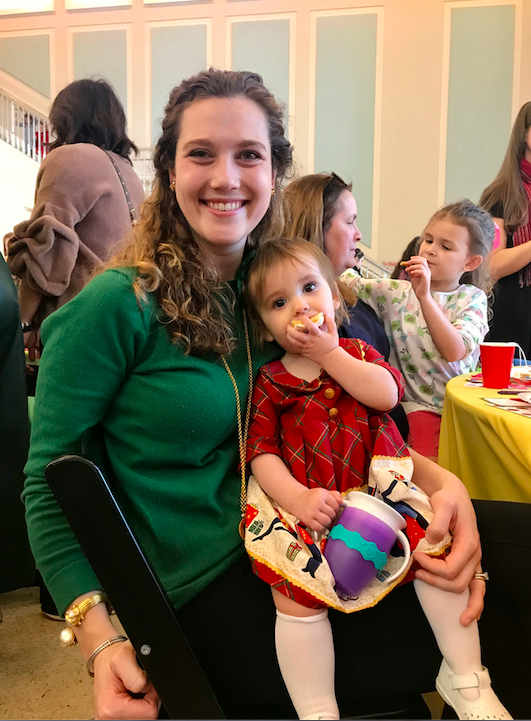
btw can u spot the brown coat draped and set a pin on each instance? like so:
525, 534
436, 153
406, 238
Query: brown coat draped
79, 217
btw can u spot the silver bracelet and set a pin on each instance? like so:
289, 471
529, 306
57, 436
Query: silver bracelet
102, 647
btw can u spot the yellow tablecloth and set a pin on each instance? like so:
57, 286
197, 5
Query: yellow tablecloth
487, 448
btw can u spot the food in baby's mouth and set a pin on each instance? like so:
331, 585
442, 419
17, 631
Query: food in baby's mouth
318, 319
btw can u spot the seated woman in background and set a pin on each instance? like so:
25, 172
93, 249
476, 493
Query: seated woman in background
322, 209
508, 200
437, 321
86, 195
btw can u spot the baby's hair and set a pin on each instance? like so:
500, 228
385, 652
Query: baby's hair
268, 256
481, 230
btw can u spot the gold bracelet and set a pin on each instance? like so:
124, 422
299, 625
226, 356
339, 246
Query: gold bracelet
102, 647
75, 615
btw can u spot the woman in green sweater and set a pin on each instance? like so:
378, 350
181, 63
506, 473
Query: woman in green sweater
152, 350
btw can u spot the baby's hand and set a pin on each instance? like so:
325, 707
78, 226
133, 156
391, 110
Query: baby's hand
317, 508
314, 342
420, 274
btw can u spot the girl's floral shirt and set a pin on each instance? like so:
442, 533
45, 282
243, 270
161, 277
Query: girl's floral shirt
413, 351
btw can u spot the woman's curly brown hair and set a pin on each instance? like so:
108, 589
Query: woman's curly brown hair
193, 300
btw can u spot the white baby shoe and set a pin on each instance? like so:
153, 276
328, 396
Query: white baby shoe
486, 706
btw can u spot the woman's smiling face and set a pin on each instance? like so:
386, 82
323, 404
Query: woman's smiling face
223, 173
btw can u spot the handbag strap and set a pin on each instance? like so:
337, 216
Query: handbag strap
132, 211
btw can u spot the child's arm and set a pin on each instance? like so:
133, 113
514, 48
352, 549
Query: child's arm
471, 320
383, 295
316, 507
353, 280
448, 339
371, 384
366, 289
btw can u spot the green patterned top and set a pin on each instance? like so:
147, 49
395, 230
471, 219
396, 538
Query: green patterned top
413, 351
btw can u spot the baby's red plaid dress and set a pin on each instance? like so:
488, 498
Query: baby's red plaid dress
325, 437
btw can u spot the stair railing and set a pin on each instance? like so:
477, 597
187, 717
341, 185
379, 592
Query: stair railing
143, 165
370, 269
23, 128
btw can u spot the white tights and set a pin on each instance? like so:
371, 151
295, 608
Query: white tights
305, 650
458, 644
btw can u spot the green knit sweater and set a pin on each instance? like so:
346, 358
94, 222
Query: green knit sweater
169, 426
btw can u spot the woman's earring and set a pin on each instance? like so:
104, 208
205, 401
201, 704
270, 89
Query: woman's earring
172, 186
273, 192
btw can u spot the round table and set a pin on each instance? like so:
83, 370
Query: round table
489, 449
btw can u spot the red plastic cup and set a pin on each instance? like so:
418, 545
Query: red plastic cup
496, 363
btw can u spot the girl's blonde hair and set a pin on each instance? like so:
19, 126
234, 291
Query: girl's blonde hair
507, 186
310, 206
267, 258
195, 304
481, 231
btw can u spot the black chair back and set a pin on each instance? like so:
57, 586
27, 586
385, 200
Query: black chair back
141, 603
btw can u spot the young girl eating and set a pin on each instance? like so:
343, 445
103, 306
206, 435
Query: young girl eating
436, 321
319, 430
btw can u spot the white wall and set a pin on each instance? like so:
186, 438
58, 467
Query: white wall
17, 185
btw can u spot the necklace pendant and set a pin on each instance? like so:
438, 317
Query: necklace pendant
241, 529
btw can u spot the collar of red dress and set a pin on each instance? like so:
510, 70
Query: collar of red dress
277, 373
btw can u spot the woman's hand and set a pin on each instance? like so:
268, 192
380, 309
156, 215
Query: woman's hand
420, 274
32, 341
117, 675
313, 342
453, 511
29, 301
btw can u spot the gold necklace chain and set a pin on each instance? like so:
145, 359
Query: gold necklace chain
243, 427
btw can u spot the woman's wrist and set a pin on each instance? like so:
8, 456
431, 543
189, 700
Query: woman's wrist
96, 628
431, 477
76, 612
108, 643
